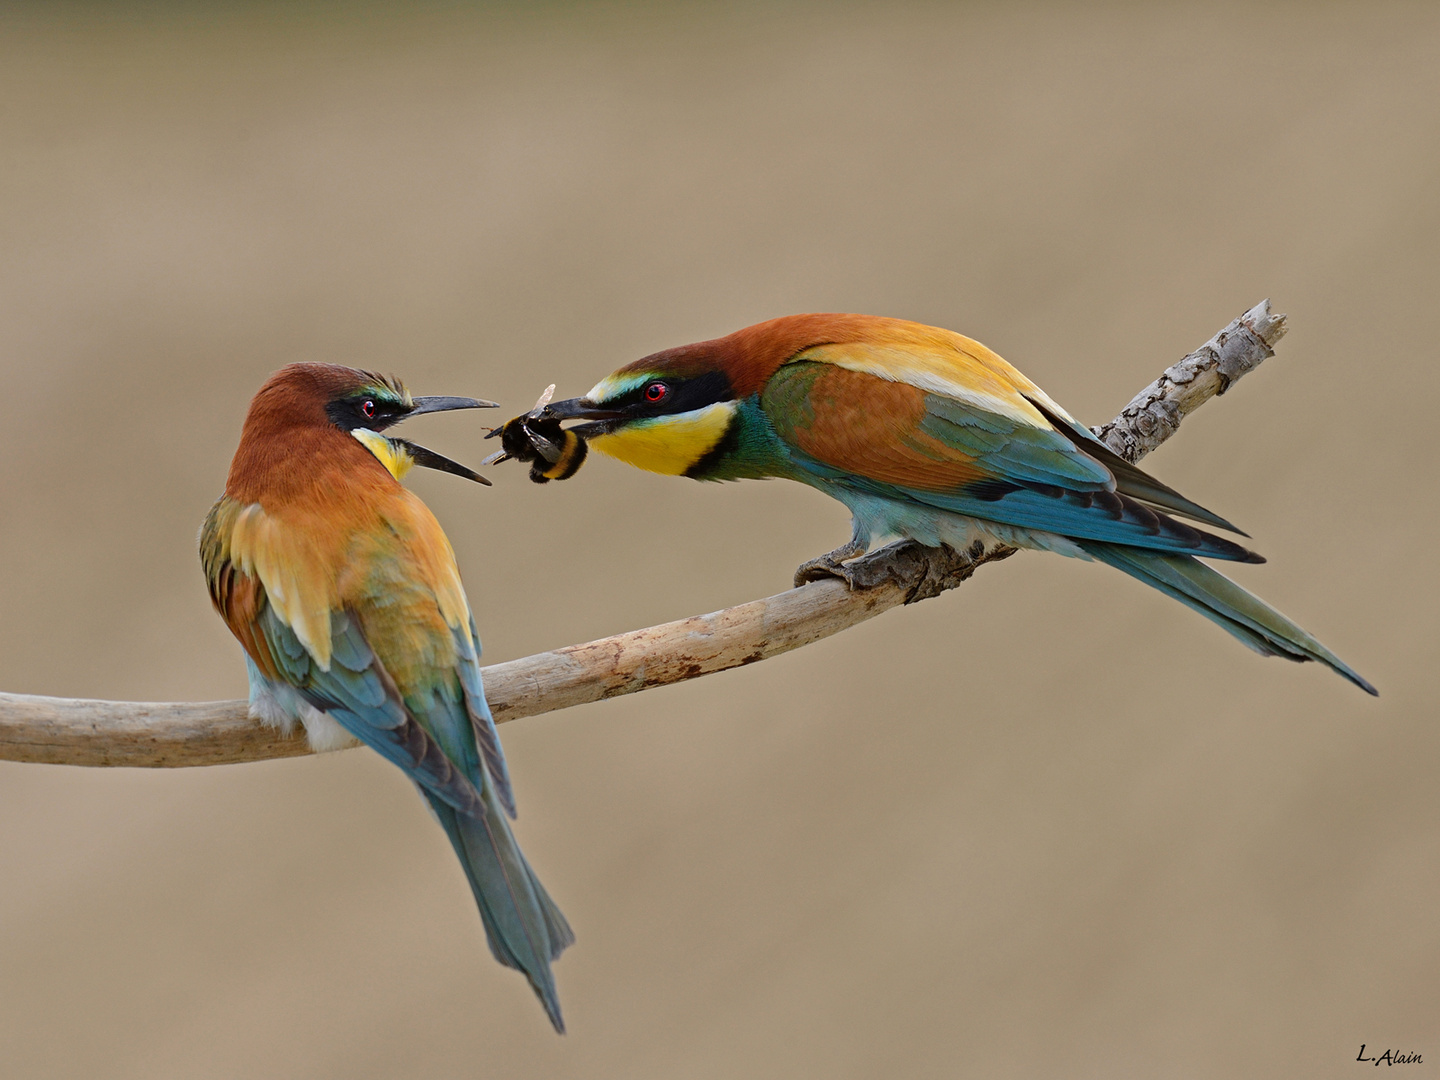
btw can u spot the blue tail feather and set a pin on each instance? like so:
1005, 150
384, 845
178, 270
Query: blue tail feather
1219, 599
525, 929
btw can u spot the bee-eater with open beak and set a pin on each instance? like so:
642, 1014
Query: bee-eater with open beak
344, 592
922, 434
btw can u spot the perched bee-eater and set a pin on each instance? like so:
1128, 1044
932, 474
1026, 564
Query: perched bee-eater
922, 434
344, 592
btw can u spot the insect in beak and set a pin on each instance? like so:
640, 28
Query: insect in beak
554, 454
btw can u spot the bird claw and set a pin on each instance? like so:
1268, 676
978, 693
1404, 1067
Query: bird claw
821, 568
833, 564
921, 571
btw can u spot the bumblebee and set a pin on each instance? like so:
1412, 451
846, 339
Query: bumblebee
553, 453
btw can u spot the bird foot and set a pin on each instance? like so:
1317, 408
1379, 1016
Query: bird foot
921, 571
832, 564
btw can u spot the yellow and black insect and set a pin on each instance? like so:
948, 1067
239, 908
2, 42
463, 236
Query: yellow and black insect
553, 453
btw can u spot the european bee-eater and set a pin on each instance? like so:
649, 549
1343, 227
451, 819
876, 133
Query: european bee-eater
922, 434
344, 592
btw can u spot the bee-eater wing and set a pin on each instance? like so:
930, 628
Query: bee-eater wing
1129, 479
350, 683
436, 738
467, 646
971, 450
359, 694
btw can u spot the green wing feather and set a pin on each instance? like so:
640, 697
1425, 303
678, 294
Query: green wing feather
431, 733
921, 447
359, 694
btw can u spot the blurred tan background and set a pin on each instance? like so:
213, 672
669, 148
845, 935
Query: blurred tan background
1050, 825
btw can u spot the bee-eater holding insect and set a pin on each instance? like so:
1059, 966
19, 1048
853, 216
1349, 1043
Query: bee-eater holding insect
922, 434
344, 592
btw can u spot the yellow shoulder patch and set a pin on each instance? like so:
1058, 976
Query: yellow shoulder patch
298, 583
946, 363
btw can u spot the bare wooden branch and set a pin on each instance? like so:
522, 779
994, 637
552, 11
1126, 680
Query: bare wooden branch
1155, 413
80, 732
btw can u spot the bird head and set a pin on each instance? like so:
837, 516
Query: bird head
659, 415
671, 412
304, 407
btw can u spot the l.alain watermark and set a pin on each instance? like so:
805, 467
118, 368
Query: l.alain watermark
1389, 1057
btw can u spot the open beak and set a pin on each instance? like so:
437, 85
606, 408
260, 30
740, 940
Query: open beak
584, 409
448, 404
428, 458
431, 460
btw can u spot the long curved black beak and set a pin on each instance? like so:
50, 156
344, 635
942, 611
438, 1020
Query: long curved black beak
577, 408
431, 460
580, 408
447, 404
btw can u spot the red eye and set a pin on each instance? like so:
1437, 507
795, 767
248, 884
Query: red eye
368, 408
656, 392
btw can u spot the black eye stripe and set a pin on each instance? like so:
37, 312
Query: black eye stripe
367, 410
681, 394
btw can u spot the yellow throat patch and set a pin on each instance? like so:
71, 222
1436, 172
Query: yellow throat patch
668, 444
393, 456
